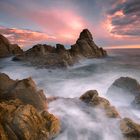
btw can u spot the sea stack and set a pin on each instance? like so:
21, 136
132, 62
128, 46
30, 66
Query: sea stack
85, 46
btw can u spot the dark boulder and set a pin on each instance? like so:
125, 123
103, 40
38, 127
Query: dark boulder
8, 49
125, 89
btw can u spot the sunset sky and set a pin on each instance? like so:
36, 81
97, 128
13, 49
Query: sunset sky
112, 22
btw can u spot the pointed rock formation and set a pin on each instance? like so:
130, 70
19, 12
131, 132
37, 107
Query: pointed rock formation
7, 49
59, 57
85, 46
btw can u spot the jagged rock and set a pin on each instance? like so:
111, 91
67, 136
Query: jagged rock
130, 129
128, 87
47, 56
24, 122
25, 90
52, 123
59, 57
7, 49
85, 46
92, 98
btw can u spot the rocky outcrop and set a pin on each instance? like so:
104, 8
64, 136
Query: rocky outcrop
127, 87
25, 90
23, 111
24, 122
59, 57
7, 49
47, 56
130, 129
92, 98
85, 46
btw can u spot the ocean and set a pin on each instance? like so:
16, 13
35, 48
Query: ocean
78, 121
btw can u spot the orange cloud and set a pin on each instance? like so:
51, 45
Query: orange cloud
25, 37
124, 47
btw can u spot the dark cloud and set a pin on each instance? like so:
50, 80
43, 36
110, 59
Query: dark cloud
125, 18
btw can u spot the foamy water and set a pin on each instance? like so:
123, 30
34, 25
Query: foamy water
80, 122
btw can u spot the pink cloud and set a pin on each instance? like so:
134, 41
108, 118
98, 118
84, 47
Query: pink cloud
24, 37
64, 24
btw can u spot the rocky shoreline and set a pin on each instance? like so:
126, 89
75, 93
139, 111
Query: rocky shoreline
24, 115
47, 56
24, 109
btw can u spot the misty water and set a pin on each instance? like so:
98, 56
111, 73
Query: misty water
78, 121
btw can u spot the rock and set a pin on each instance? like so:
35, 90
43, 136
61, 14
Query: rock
92, 98
130, 129
125, 87
52, 124
24, 122
127, 84
85, 46
8, 49
47, 56
25, 90
59, 57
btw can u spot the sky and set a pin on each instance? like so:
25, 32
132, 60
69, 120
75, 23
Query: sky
113, 23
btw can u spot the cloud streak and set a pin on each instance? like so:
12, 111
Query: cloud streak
24, 37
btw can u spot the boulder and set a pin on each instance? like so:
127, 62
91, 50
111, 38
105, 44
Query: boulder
59, 57
125, 87
93, 99
24, 122
130, 129
25, 90
127, 84
8, 49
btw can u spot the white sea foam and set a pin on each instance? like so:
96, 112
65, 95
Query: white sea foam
83, 123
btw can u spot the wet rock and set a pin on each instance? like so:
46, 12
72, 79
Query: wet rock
125, 87
24, 122
59, 57
8, 49
92, 98
25, 90
130, 129
127, 84
52, 124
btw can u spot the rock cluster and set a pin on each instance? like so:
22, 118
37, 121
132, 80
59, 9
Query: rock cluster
59, 57
23, 114
129, 129
7, 49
